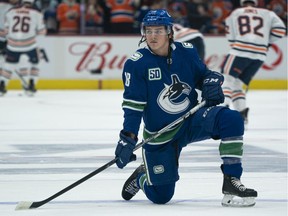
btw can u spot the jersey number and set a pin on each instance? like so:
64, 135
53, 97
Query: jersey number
127, 79
245, 25
22, 24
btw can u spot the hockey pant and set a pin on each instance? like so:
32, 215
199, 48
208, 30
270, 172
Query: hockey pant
162, 161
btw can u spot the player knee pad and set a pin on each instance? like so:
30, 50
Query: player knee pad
228, 88
161, 165
7, 71
230, 123
34, 71
229, 81
160, 194
238, 84
23, 72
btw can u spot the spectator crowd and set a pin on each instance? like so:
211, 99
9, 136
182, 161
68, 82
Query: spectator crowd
124, 16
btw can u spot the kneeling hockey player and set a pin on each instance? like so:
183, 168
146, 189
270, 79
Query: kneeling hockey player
160, 82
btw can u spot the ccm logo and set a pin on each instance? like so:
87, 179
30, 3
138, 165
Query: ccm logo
211, 80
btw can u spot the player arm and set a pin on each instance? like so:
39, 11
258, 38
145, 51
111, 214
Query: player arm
209, 82
134, 97
278, 29
5, 27
3, 33
229, 30
41, 28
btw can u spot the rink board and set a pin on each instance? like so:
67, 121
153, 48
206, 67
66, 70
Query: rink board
89, 62
117, 84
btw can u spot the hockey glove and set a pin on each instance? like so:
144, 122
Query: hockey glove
124, 150
211, 90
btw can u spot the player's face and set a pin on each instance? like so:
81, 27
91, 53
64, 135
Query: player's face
157, 39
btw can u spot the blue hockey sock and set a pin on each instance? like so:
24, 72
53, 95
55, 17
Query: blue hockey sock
234, 169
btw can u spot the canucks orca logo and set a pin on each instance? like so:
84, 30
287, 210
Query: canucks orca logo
173, 99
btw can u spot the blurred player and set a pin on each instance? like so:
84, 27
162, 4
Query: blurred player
250, 30
4, 7
193, 36
22, 25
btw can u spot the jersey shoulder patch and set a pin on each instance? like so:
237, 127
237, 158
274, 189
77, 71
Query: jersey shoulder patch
187, 45
136, 56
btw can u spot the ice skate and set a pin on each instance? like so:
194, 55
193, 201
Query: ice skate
130, 187
244, 114
31, 90
236, 194
2, 88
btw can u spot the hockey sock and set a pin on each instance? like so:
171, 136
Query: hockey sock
141, 181
231, 151
234, 170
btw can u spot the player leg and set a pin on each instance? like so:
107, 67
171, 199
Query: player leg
157, 175
2, 76
230, 128
227, 86
34, 71
225, 124
11, 59
239, 99
249, 68
23, 73
2, 54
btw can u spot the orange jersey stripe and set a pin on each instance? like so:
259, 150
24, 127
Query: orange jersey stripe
21, 43
250, 47
279, 32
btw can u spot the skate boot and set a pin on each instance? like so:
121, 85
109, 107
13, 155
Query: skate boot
244, 114
233, 188
130, 187
2, 88
31, 90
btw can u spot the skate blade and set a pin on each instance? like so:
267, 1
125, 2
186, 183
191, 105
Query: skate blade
235, 201
29, 93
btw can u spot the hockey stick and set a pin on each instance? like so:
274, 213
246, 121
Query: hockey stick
31, 205
24, 82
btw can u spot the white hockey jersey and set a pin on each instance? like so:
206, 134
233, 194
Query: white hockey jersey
22, 25
183, 34
4, 7
250, 30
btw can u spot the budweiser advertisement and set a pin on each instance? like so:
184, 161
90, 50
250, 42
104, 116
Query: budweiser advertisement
103, 57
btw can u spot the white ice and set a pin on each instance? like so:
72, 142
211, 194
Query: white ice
55, 138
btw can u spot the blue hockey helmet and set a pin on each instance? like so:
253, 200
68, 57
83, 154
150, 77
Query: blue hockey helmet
159, 17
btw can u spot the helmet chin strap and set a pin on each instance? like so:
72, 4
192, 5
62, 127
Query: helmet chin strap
171, 40
169, 56
143, 39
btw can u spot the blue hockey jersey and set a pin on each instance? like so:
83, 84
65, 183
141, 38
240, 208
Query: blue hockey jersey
158, 92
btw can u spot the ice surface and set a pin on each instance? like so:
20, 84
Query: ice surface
49, 141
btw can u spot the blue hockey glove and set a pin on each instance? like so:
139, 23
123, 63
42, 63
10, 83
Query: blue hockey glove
211, 90
124, 149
